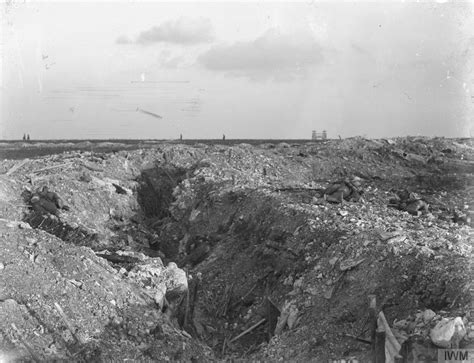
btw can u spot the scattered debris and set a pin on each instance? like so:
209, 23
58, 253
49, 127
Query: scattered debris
246, 331
448, 333
247, 227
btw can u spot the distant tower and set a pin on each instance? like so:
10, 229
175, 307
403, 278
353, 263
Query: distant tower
181, 136
325, 135
223, 137
313, 135
28, 137
24, 137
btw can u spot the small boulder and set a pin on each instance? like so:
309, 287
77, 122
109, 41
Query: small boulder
428, 315
175, 279
448, 332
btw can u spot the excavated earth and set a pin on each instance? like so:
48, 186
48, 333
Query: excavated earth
248, 228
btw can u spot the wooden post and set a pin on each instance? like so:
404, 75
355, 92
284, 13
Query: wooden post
373, 324
380, 347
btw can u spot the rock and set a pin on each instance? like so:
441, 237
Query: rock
350, 264
24, 225
175, 279
160, 293
298, 283
85, 177
448, 332
333, 261
428, 315
292, 316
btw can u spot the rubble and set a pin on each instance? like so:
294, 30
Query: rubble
251, 221
448, 333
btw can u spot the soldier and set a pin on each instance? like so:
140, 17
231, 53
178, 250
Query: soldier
343, 190
409, 202
53, 197
43, 206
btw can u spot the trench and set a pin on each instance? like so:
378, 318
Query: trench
241, 252
237, 248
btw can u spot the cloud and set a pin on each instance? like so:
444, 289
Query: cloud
168, 59
123, 39
181, 31
272, 54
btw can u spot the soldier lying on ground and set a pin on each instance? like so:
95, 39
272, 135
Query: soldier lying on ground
45, 202
409, 202
343, 190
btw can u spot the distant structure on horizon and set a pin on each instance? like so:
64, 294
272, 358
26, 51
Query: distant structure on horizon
319, 136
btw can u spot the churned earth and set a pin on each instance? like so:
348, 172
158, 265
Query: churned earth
211, 251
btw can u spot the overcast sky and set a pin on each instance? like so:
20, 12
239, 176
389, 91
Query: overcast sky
248, 70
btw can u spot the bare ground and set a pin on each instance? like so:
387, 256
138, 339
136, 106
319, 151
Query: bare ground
248, 224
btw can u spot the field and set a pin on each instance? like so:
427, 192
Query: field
16, 149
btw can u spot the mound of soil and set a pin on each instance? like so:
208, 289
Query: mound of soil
248, 227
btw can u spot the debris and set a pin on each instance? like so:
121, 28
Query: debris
329, 291
292, 317
90, 167
362, 340
447, 333
282, 320
288, 317
350, 264
333, 260
373, 323
68, 324
26, 345
117, 258
392, 346
273, 313
119, 189
52, 167
315, 248
428, 315
24, 225
17, 166
85, 177
256, 325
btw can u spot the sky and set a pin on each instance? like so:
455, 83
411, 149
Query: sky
158, 70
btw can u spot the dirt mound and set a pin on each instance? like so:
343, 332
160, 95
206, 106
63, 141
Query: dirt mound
273, 270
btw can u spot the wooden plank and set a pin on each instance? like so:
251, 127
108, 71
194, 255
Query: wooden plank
373, 323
